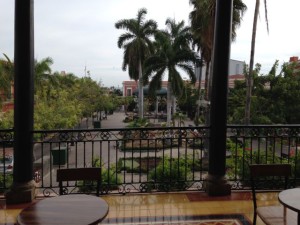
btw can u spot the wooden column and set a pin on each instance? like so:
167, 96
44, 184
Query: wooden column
216, 183
23, 189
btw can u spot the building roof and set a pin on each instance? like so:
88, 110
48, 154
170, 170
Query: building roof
162, 91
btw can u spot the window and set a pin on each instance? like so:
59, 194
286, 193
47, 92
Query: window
237, 69
129, 92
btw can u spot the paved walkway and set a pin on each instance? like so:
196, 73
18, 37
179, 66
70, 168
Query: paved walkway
116, 121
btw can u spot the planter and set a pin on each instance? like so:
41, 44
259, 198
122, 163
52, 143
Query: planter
97, 124
59, 155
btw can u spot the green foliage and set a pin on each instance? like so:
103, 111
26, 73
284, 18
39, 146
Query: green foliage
130, 165
7, 120
275, 97
139, 122
242, 155
180, 118
61, 100
295, 162
59, 112
128, 119
187, 101
110, 179
6, 78
5, 181
171, 174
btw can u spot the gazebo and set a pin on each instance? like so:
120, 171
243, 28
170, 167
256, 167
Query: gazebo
159, 94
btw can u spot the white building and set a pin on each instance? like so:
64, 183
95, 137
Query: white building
236, 67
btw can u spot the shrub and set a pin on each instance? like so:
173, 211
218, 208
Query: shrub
139, 122
237, 164
171, 174
138, 164
130, 165
110, 179
5, 181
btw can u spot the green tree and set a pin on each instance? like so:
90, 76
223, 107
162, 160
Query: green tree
7, 120
187, 101
6, 77
44, 81
275, 97
137, 46
172, 52
236, 103
89, 95
59, 112
285, 95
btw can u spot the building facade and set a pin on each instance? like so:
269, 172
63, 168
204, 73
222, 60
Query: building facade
235, 73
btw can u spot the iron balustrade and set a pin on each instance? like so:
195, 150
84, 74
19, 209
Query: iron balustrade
154, 159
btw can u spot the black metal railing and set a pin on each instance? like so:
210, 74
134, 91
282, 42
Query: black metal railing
154, 159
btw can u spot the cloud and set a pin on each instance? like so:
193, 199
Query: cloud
81, 33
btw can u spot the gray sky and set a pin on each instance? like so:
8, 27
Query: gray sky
79, 34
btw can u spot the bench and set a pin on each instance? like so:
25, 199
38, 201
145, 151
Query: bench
76, 174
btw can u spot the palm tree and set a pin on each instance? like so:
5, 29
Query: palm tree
202, 26
202, 20
172, 52
137, 46
249, 76
42, 74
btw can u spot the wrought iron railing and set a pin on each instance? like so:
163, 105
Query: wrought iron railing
154, 159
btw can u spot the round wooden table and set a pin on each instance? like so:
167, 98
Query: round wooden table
73, 209
290, 198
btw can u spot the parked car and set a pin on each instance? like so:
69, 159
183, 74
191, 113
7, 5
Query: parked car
6, 162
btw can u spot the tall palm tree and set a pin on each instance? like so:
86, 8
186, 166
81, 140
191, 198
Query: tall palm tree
249, 76
202, 25
172, 52
202, 19
137, 46
43, 79
42, 72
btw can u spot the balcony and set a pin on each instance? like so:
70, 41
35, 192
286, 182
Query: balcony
166, 208
150, 160
134, 161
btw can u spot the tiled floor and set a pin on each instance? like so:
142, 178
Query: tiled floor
164, 204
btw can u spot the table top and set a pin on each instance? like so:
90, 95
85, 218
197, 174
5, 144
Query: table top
290, 198
73, 209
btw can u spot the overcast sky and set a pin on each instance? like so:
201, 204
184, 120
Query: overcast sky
79, 34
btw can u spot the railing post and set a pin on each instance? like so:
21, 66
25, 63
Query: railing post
23, 189
216, 183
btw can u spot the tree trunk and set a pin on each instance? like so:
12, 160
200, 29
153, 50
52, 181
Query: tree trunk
196, 120
249, 78
207, 81
169, 103
174, 105
141, 92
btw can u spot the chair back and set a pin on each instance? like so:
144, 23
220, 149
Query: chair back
261, 172
76, 174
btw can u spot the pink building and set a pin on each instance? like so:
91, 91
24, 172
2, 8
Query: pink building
130, 86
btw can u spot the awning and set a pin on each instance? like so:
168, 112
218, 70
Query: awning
161, 92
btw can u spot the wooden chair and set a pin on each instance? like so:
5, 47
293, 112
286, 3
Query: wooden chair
76, 174
259, 173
